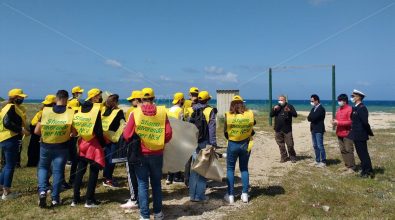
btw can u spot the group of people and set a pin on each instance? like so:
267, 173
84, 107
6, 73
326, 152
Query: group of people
87, 133
352, 129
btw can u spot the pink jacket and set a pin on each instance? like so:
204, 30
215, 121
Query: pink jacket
343, 117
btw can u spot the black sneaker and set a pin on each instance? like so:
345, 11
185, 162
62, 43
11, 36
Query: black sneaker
169, 179
65, 186
55, 203
92, 204
43, 200
75, 202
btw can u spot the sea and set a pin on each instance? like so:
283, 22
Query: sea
263, 105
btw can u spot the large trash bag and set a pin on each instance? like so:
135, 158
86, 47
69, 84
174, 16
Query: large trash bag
181, 146
207, 165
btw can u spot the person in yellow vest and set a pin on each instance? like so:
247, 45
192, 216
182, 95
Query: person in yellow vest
12, 127
238, 130
135, 101
204, 117
55, 129
73, 103
151, 124
176, 111
88, 124
33, 150
113, 121
188, 104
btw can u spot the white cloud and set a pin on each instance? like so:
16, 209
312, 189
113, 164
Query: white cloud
113, 63
164, 78
319, 2
228, 77
363, 83
214, 70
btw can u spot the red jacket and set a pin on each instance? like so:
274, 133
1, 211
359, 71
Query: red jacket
343, 117
91, 150
148, 110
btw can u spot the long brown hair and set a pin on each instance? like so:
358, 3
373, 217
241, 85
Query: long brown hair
237, 107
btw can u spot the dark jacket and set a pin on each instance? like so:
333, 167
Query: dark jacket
212, 123
117, 120
12, 121
283, 119
97, 129
360, 128
316, 119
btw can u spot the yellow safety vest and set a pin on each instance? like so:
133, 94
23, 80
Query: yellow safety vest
56, 128
4, 132
128, 112
73, 104
239, 126
85, 122
36, 118
176, 113
113, 136
207, 112
151, 129
187, 107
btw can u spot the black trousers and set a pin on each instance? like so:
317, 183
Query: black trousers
73, 157
362, 150
33, 150
92, 181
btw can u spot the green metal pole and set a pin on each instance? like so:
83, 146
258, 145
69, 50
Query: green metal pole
333, 93
270, 95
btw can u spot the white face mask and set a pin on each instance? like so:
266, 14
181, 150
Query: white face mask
353, 100
341, 103
281, 103
79, 96
312, 103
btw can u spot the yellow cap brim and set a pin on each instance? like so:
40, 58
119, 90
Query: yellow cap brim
175, 101
22, 95
46, 102
129, 98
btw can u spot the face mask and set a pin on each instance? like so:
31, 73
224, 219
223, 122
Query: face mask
312, 103
18, 101
353, 99
341, 103
281, 103
79, 96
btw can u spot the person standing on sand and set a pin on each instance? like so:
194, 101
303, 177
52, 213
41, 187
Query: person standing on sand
360, 132
12, 127
317, 128
343, 127
238, 130
55, 129
283, 113
151, 124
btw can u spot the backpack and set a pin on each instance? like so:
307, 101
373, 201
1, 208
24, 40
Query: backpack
199, 120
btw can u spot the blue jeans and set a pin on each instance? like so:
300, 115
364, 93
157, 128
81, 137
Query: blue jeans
318, 145
197, 183
109, 167
237, 150
57, 156
10, 150
149, 170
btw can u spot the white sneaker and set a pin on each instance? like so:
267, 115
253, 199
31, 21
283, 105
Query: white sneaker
159, 216
129, 204
9, 196
142, 218
244, 197
321, 165
313, 164
229, 199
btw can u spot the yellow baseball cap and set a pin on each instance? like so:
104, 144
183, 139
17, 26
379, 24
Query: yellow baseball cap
147, 93
237, 98
204, 95
77, 89
136, 94
92, 93
49, 99
193, 90
16, 92
177, 97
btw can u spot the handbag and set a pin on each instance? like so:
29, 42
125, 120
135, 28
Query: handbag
208, 166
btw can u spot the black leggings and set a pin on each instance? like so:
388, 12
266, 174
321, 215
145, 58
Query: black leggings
94, 169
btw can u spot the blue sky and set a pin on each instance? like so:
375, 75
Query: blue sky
171, 45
